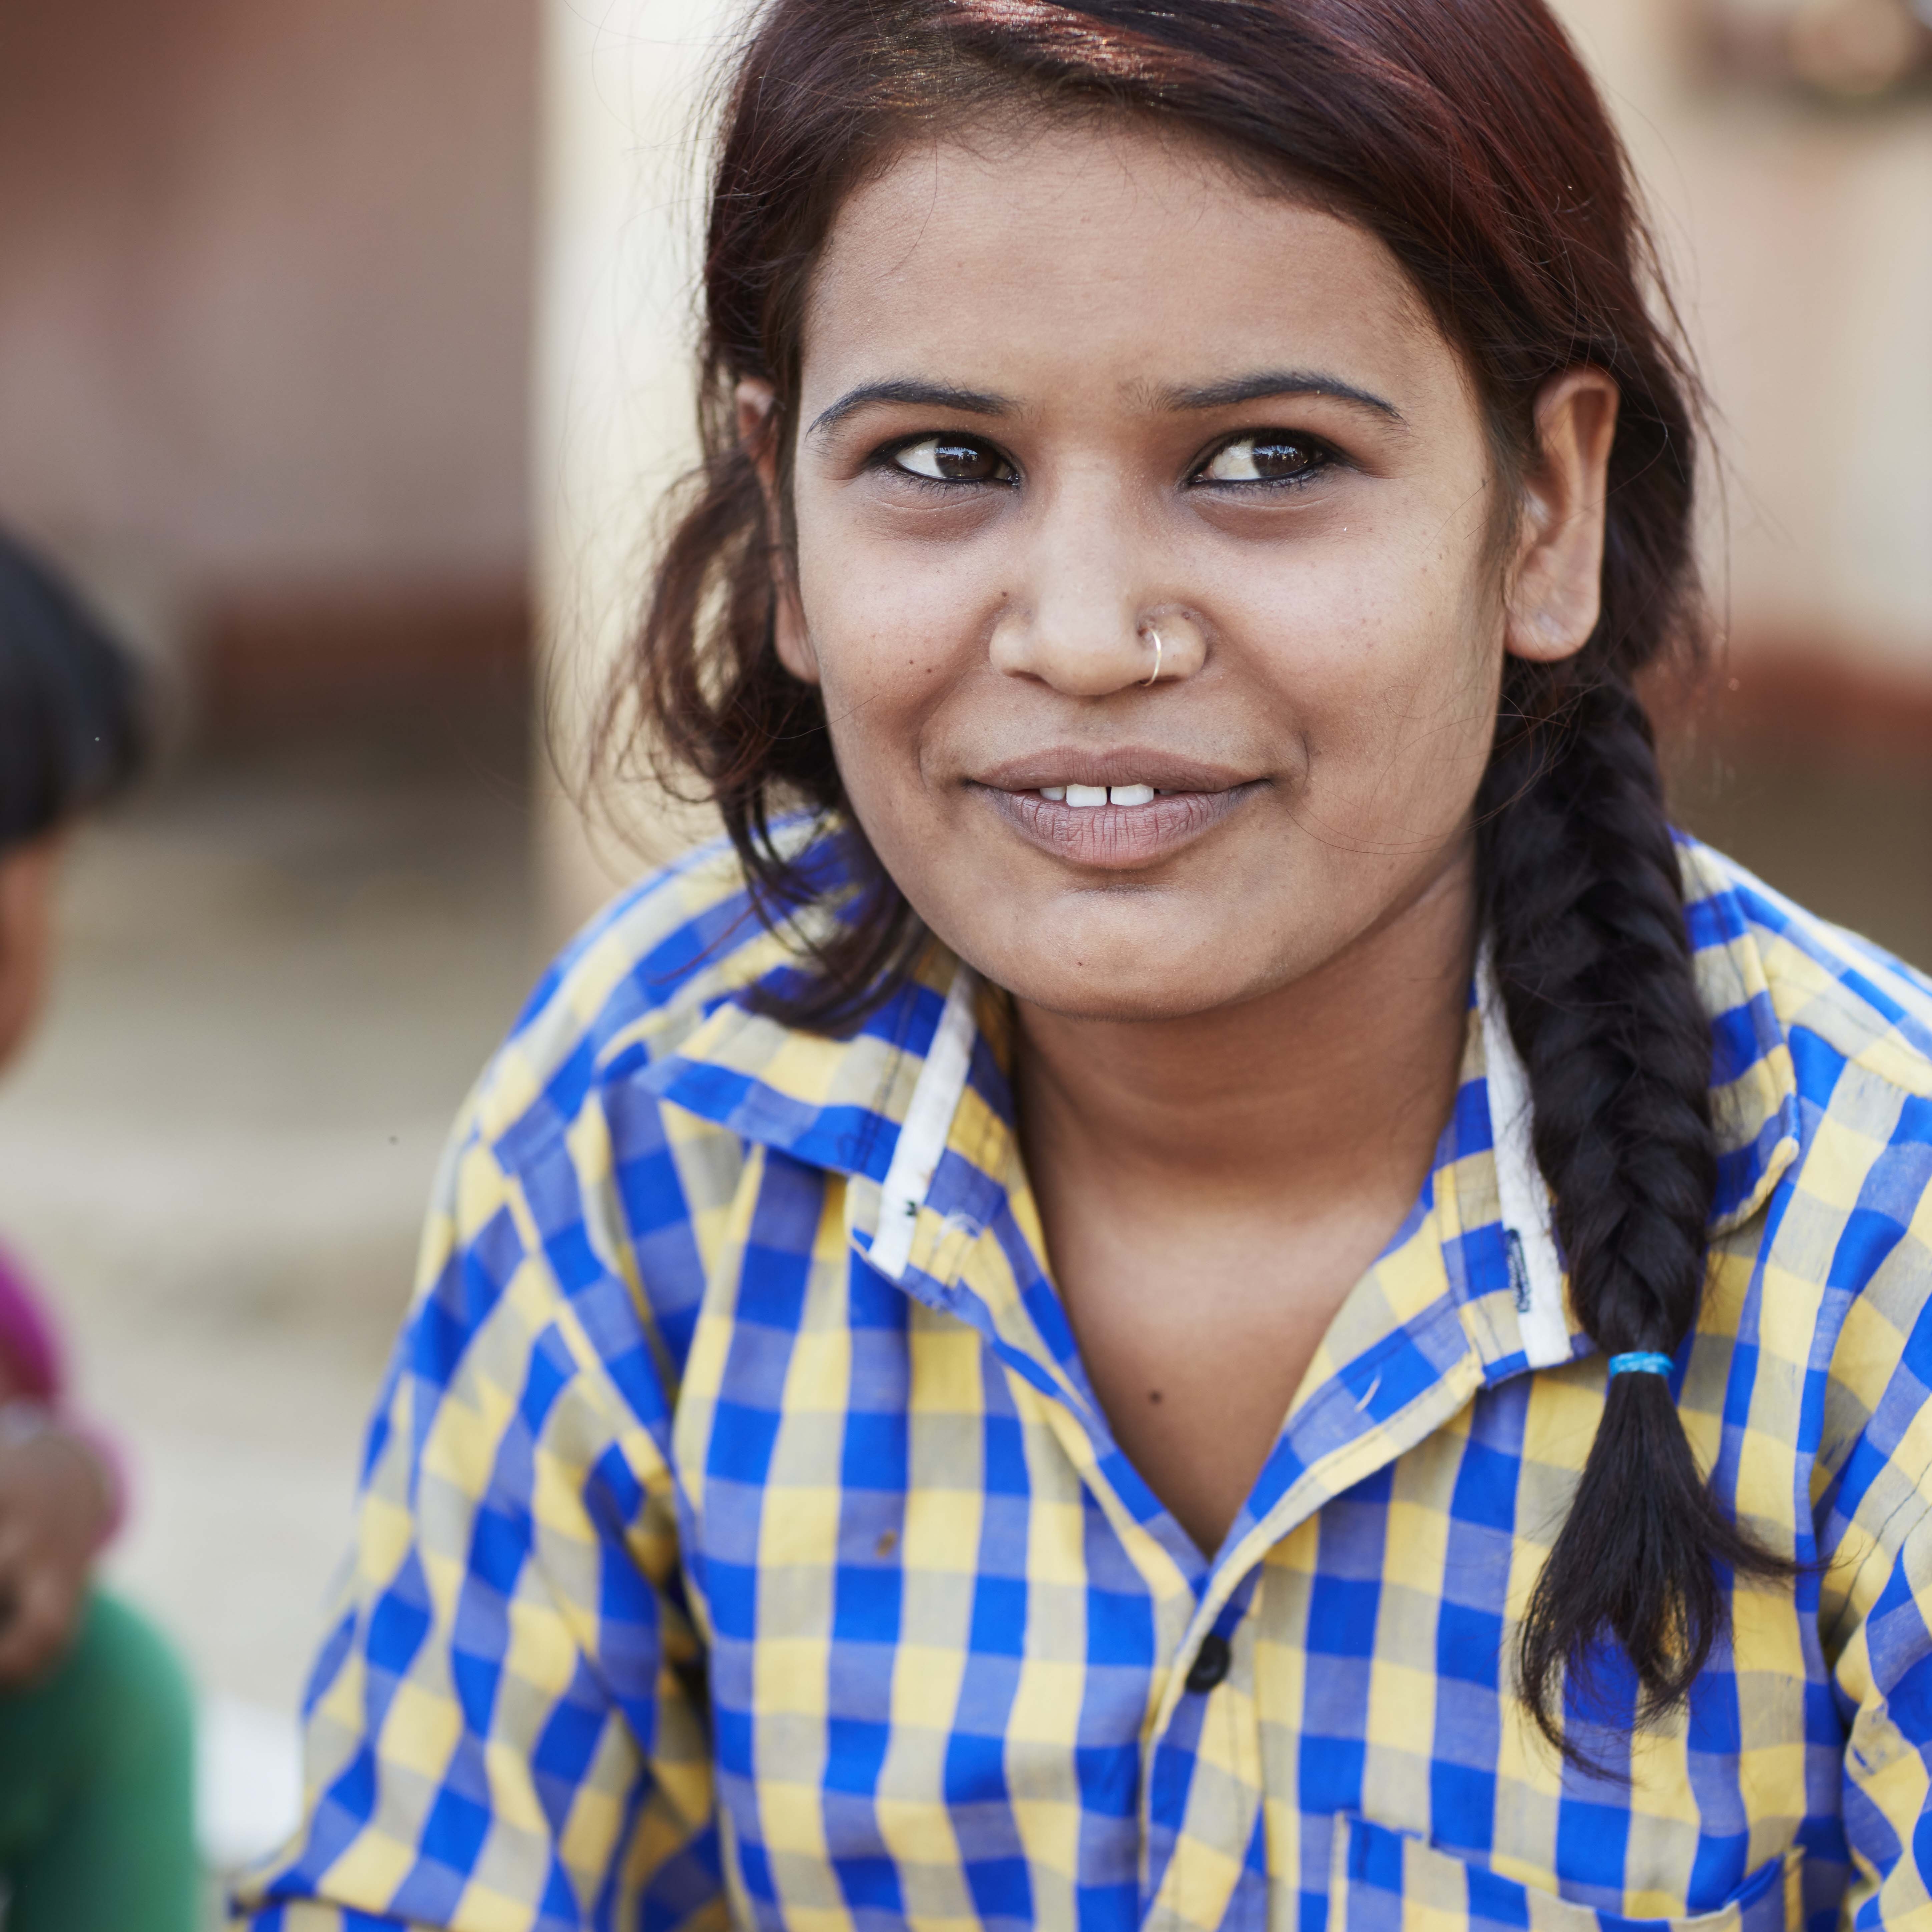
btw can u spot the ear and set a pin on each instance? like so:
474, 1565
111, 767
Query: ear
1556, 592
757, 433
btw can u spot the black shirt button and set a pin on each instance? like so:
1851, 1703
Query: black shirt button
1211, 1663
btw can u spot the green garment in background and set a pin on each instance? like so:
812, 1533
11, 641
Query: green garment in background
97, 1787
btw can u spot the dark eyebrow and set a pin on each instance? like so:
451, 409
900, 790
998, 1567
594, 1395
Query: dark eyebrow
922, 395
1271, 382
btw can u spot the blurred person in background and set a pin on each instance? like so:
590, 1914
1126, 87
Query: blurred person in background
96, 1730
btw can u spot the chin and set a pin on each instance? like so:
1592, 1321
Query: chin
1101, 981
1112, 1005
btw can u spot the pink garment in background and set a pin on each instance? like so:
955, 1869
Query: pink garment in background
32, 1370
30, 1356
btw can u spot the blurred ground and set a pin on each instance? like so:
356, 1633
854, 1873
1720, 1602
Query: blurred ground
280, 975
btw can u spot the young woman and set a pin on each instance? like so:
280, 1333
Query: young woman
1204, 1281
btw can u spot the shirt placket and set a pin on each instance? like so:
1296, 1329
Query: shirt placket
1200, 1769
1201, 1755
1202, 1789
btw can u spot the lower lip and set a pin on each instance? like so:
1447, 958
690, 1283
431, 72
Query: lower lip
1117, 838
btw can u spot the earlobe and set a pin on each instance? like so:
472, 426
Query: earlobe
756, 401
790, 638
1554, 595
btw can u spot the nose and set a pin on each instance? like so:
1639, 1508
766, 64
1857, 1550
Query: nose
1088, 618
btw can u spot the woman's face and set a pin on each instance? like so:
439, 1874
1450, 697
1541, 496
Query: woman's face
1084, 389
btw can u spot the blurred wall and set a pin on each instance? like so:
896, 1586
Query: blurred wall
1799, 235
265, 308
624, 88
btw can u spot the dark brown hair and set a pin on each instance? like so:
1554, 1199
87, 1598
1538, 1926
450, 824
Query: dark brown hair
1466, 135
74, 721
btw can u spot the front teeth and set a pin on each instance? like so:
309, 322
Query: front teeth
1084, 798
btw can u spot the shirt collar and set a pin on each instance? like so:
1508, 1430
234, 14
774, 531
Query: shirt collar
916, 1109
836, 1102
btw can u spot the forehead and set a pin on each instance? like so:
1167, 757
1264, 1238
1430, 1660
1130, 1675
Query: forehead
1122, 250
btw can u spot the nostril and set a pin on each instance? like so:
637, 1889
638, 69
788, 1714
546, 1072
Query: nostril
1174, 645
1079, 659
1154, 676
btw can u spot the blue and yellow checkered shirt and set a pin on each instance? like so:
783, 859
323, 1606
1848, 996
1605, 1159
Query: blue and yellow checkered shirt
740, 1540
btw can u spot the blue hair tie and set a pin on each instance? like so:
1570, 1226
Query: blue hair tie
1641, 1364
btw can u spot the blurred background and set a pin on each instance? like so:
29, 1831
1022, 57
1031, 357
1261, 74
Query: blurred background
343, 348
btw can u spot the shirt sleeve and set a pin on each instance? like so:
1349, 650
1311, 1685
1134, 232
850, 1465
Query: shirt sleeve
506, 1727
1875, 1582
1885, 1676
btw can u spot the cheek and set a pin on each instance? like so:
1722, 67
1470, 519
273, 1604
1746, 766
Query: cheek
892, 630
1389, 658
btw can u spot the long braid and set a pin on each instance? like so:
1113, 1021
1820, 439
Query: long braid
1584, 901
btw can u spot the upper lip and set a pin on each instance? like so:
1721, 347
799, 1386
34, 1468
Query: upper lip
1127, 764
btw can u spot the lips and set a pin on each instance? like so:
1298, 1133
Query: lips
1116, 811
1127, 765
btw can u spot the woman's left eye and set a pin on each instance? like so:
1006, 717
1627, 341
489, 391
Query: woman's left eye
952, 459
1267, 457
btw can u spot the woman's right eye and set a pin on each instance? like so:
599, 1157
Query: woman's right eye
952, 459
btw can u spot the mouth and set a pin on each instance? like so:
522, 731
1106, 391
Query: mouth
1087, 798
1117, 812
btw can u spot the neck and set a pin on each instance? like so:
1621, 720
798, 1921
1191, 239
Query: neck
1335, 1086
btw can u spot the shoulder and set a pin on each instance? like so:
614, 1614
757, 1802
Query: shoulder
1824, 1059
637, 981
1829, 1039
1839, 1004
566, 1153
1824, 1070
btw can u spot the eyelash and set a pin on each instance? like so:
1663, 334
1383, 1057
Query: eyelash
887, 458
1324, 459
